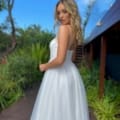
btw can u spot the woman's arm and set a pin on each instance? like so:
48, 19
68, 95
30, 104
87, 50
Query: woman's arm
63, 41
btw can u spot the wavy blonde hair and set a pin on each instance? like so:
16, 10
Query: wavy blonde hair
75, 21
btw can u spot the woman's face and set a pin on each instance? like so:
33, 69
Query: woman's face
62, 15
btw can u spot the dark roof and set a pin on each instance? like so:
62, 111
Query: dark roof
109, 19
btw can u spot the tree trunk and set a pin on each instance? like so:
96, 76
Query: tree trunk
10, 4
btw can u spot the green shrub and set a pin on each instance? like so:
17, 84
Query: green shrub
9, 90
39, 53
104, 109
107, 108
23, 70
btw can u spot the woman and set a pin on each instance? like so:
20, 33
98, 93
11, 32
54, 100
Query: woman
62, 94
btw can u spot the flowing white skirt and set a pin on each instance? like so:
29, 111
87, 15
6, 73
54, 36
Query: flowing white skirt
61, 96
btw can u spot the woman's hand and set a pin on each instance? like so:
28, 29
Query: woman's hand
43, 67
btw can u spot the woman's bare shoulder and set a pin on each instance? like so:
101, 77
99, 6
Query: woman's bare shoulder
64, 29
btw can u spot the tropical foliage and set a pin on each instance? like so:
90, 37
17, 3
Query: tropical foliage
21, 70
107, 108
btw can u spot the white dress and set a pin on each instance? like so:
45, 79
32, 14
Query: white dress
61, 95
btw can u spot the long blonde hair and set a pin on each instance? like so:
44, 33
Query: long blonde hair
72, 9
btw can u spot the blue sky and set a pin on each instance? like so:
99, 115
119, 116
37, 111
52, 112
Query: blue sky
41, 12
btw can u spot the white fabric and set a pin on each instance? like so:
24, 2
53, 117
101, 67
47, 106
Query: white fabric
61, 95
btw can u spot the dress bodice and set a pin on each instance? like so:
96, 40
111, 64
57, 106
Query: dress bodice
53, 51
